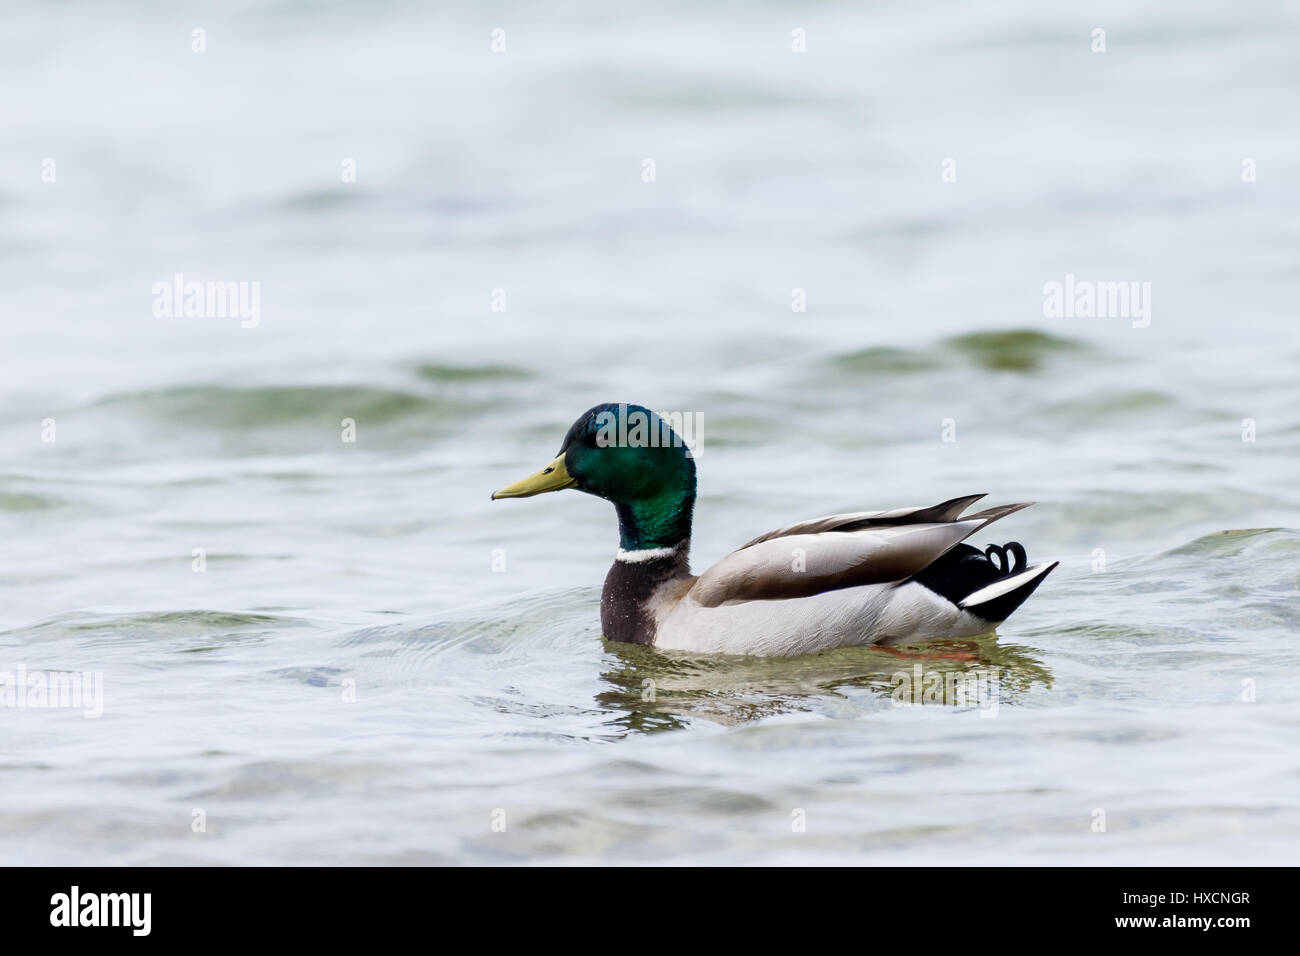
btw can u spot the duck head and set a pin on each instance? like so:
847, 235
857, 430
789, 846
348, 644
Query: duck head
630, 456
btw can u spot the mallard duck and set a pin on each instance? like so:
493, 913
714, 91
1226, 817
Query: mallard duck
871, 577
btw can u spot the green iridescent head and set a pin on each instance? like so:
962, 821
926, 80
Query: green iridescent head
628, 455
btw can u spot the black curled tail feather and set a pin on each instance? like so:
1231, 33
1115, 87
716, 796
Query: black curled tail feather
1011, 557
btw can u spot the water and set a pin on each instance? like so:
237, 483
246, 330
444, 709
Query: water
349, 681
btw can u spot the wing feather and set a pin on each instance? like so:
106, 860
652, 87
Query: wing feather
856, 521
842, 551
798, 565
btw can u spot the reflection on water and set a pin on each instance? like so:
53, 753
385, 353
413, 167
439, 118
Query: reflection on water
657, 689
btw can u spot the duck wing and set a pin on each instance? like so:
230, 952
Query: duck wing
841, 551
856, 521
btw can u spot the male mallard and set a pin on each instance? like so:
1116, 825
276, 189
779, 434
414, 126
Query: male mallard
873, 577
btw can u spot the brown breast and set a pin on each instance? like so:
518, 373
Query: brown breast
626, 602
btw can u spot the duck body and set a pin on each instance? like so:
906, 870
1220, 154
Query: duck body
757, 604
884, 577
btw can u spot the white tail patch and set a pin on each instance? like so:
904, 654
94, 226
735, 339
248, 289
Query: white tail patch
1005, 586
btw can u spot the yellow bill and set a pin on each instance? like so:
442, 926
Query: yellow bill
551, 478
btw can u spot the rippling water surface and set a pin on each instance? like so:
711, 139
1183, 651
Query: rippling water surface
349, 681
